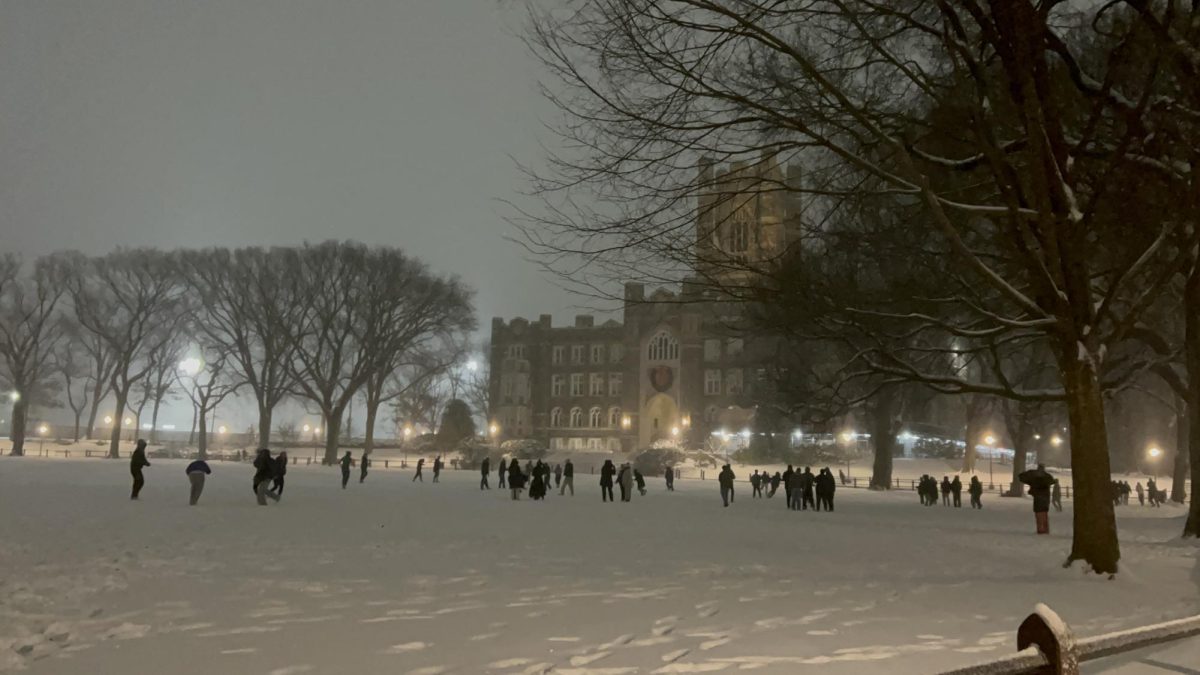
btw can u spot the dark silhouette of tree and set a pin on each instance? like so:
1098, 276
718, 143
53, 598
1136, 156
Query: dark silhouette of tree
28, 337
457, 426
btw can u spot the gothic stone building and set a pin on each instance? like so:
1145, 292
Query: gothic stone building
671, 367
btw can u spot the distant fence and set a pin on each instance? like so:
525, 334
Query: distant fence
1047, 646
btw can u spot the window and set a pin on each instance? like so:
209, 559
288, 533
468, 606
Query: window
733, 346
663, 347
712, 350
737, 233
577, 384
576, 443
597, 353
614, 445
576, 417
516, 351
595, 419
556, 417
712, 382
733, 381
558, 355
558, 385
614, 417
616, 352
596, 383
557, 443
614, 384
593, 443
576, 354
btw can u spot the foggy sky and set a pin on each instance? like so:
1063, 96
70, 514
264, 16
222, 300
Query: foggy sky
175, 123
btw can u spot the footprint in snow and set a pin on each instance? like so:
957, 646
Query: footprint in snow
589, 658
509, 663
407, 647
713, 644
671, 657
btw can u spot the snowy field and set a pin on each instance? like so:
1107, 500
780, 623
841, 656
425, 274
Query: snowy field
395, 577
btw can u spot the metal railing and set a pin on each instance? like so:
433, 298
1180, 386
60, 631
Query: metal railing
1047, 646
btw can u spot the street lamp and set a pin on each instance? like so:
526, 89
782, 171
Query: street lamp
1154, 452
14, 396
42, 431
675, 432
991, 443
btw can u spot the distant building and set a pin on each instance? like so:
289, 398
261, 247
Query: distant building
676, 365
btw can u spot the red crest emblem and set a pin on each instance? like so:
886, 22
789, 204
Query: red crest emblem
662, 377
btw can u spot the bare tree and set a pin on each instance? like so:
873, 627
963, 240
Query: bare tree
1017, 128
408, 372
71, 362
246, 308
206, 384
160, 381
28, 318
126, 299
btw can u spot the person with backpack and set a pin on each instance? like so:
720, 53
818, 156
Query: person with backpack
137, 462
196, 472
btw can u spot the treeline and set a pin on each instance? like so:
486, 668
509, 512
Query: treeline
324, 323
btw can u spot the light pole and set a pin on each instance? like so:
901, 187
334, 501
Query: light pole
494, 431
991, 443
42, 431
1154, 452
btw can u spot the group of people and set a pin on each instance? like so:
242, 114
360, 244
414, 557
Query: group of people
537, 476
951, 490
1121, 491
625, 478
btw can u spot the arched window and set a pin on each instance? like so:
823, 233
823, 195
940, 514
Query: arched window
614, 417
662, 347
556, 417
594, 418
576, 417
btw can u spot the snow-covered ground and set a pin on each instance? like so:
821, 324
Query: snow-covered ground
395, 577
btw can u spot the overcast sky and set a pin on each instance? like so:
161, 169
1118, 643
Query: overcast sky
192, 123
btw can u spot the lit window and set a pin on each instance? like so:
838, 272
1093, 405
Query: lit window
663, 347
556, 417
576, 417
594, 418
614, 417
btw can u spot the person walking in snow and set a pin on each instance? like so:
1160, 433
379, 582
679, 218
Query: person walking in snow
537, 486
956, 492
1056, 495
277, 476
437, 468
607, 472
558, 471
420, 466
503, 473
795, 491
137, 462
787, 484
347, 462
1141, 493
725, 480
196, 472
264, 472
364, 463
669, 477
516, 479
945, 491
568, 482
485, 467
806, 489
1039, 482
641, 482
626, 480
775, 481
976, 491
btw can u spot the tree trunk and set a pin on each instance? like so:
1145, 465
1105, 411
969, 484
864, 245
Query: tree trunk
977, 405
202, 445
16, 430
154, 421
369, 430
1180, 470
192, 433
78, 419
114, 440
1094, 540
333, 427
95, 410
883, 437
1020, 439
1191, 305
264, 425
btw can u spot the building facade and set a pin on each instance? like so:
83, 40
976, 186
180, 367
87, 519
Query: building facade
673, 367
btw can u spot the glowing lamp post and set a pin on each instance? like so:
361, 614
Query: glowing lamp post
990, 440
42, 431
1154, 452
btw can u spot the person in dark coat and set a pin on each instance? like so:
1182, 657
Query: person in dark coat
787, 484
625, 481
976, 491
825, 487
806, 489
537, 486
558, 470
264, 472
945, 491
137, 462
640, 480
503, 473
516, 479
775, 481
1039, 482
568, 474
196, 472
437, 468
755, 485
1056, 495
956, 492
1151, 489
669, 477
725, 480
420, 466
485, 468
1141, 493
795, 490
347, 462
364, 463
607, 473
277, 477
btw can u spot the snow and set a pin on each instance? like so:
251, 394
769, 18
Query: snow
398, 577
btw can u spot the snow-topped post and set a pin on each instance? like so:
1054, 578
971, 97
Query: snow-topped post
1045, 630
